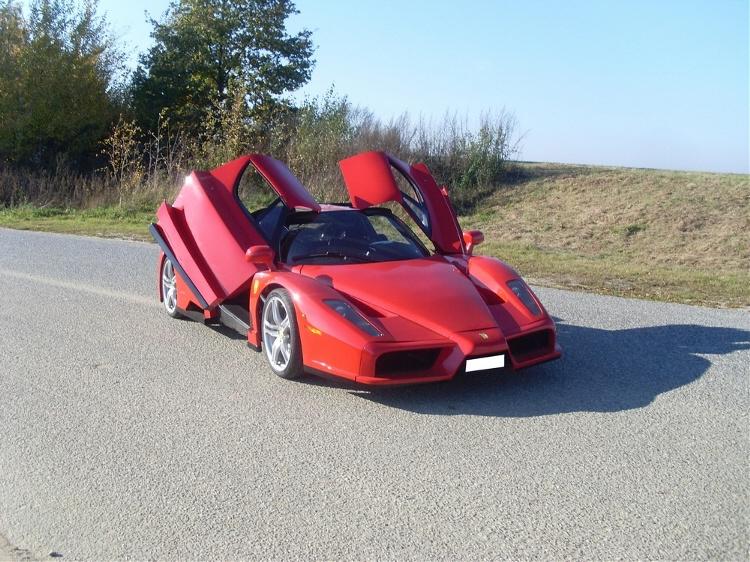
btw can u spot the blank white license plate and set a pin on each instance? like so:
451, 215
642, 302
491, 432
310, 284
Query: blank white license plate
484, 363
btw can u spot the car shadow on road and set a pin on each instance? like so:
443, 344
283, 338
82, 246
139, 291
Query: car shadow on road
602, 371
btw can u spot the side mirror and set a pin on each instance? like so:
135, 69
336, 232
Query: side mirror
472, 238
260, 255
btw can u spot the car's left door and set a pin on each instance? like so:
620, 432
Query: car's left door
206, 231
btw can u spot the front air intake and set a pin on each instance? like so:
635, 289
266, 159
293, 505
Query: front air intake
531, 345
399, 363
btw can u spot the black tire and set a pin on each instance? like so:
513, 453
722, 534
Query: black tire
168, 280
289, 334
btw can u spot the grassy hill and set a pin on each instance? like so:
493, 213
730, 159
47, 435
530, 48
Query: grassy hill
667, 235
676, 236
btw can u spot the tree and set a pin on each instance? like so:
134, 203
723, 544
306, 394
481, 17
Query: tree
13, 39
206, 49
58, 81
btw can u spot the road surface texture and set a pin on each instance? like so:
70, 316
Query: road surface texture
125, 434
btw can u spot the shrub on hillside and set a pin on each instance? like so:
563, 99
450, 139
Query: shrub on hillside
311, 140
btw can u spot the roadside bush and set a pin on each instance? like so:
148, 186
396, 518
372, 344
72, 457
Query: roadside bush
146, 167
41, 187
469, 161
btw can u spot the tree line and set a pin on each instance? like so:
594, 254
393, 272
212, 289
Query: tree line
63, 83
75, 121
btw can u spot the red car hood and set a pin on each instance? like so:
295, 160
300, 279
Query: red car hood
430, 292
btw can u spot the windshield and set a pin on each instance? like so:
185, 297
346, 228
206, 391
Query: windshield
337, 237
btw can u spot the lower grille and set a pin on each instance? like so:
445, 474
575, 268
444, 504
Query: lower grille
395, 363
531, 345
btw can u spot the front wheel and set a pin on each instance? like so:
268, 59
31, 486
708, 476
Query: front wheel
281, 336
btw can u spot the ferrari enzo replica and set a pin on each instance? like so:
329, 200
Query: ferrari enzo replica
347, 290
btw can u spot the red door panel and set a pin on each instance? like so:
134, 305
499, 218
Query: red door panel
280, 178
446, 232
209, 232
212, 238
370, 180
179, 240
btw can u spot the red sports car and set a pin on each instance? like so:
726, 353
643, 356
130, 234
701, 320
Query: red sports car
347, 290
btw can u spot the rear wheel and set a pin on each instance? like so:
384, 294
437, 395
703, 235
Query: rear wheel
169, 288
281, 341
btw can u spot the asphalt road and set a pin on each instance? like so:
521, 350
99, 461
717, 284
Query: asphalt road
126, 434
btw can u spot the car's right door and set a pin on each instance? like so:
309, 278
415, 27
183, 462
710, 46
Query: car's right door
373, 178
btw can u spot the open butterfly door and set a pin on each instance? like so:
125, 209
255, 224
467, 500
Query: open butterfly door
372, 178
206, 231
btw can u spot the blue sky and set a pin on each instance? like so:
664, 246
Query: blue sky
660, 84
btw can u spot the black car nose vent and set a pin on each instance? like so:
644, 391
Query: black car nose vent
531, 345
394, 363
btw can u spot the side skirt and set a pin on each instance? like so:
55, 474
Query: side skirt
193, 315
235, 317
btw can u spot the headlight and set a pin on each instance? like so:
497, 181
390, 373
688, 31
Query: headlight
522, 291
346, 310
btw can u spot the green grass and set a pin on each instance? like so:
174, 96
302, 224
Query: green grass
107, 222
662, 235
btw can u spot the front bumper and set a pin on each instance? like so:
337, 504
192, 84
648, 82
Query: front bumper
434, 361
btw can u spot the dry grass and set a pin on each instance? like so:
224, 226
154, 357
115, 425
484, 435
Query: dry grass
673, 236
652, 217
657, 234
